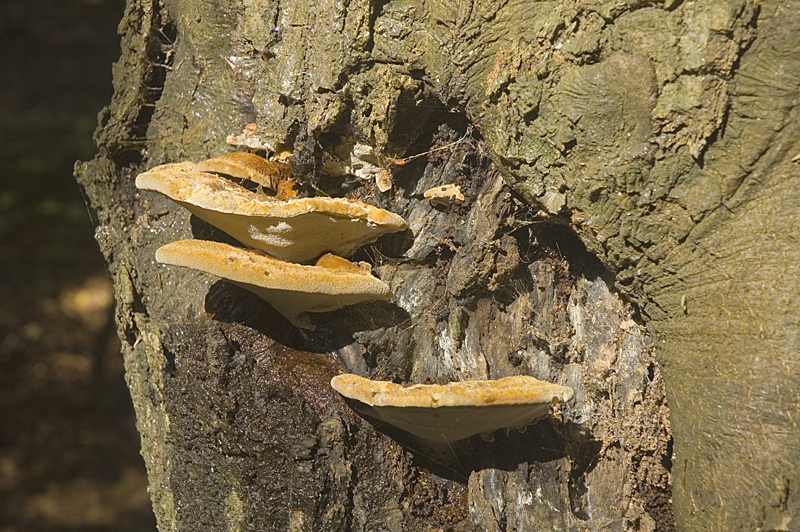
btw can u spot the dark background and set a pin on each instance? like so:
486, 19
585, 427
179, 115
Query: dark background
69, 451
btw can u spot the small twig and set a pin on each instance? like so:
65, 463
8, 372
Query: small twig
404, 160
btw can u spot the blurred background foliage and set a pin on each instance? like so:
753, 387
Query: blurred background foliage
69, 457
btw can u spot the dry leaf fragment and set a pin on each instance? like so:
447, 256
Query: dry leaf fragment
245, 165
384, 180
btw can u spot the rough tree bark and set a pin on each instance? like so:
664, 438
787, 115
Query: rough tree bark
625, 164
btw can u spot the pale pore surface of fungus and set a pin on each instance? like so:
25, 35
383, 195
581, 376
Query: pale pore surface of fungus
444, 194
296, 230
291, 288
451, 412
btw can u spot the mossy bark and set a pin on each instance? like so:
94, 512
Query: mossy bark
661, 135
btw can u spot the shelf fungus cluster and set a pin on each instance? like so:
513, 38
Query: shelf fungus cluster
281, 231
438, 414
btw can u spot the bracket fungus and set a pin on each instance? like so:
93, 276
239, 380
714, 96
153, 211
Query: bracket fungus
444, 195
295, 229
291, 288
439, 414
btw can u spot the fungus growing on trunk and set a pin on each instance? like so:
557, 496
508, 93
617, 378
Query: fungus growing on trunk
297, 230
444, 195
291, 288
443, 413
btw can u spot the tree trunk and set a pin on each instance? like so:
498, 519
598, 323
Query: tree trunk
624, 165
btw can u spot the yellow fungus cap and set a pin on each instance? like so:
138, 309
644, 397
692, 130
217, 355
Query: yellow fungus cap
454, 411
291, 288
295, 229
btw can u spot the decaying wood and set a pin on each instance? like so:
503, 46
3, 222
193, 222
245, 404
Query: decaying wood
661, 135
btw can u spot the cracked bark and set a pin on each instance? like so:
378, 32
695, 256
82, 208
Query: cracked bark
623, 166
